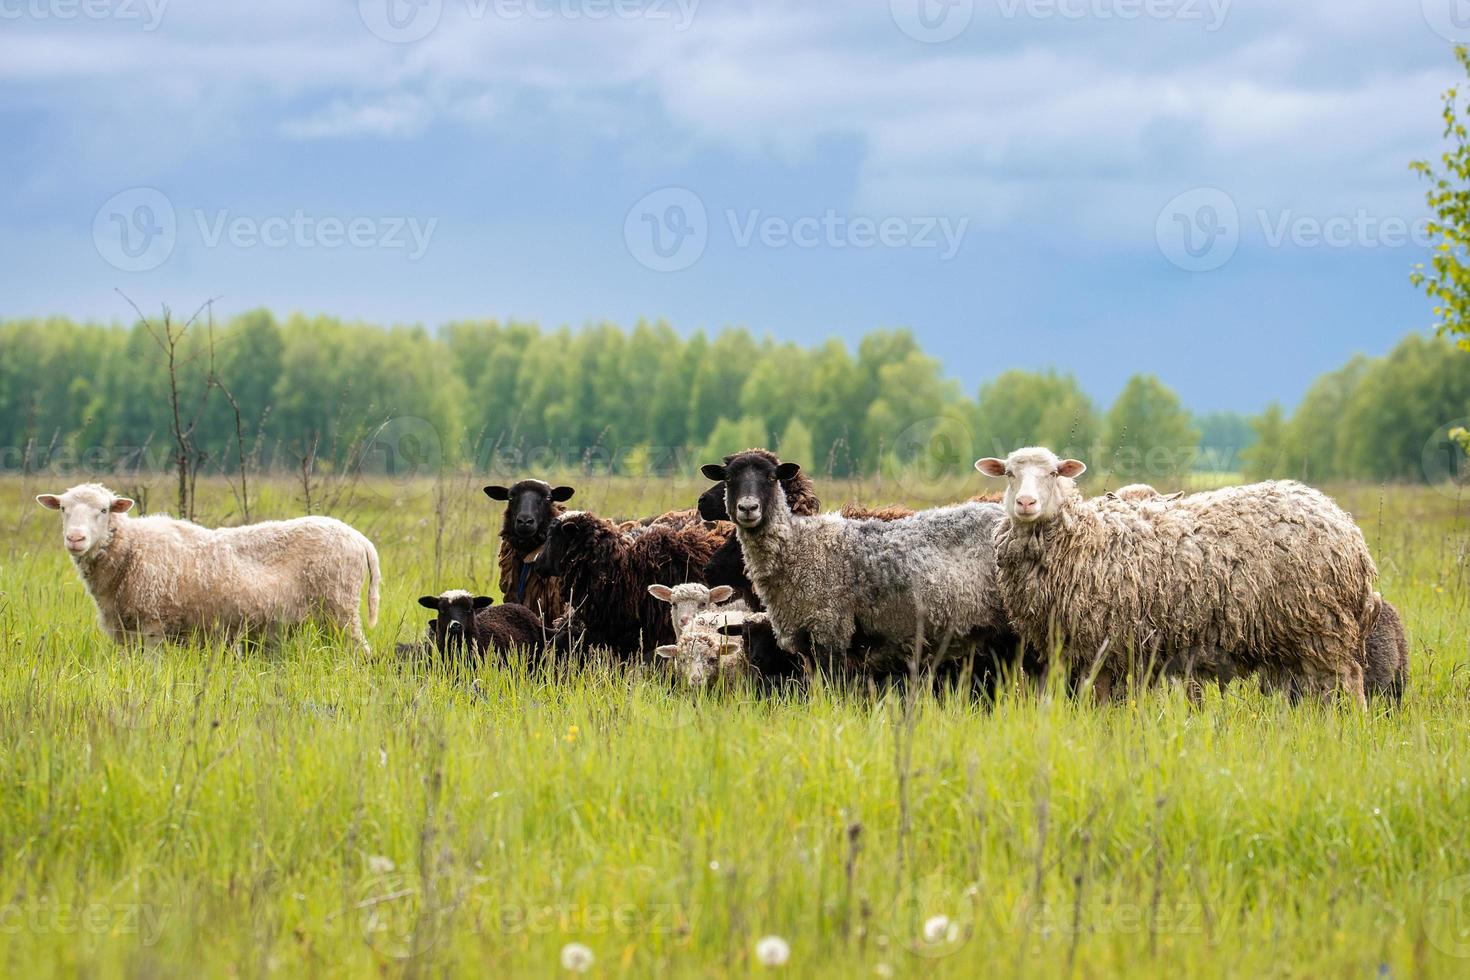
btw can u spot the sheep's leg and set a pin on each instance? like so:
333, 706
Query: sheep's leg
1104, 687
1194, 691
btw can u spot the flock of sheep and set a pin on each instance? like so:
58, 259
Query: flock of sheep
1272, 580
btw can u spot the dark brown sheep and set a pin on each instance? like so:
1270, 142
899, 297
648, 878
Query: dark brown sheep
1386, 670
529, 509
606, 573
470, 625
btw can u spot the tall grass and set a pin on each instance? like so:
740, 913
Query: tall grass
310, 811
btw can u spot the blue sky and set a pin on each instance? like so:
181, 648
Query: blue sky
1213, 191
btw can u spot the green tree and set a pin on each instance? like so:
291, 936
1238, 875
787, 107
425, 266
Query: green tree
795, 443
1150, 433
1447, 280
1263, 458
1025, 408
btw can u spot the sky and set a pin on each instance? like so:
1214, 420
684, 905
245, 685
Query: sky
1213, 191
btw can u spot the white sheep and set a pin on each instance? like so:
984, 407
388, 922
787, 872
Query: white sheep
1271, 577
158, 578
704, 654
692, 598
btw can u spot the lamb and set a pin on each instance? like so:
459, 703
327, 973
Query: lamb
158, 578
689, 599
530, 507
472, 624
923, 584
1267, 577
708, 650
606, 574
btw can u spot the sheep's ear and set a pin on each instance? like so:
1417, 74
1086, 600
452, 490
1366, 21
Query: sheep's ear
713, 471
1071, 468
49, 500
731, 629
481, 601
667, 653
560, 494
720, 593
497, 493
429, 601
991, 466
661, 592
121, 505
1110, 496
787, 471
1175, 495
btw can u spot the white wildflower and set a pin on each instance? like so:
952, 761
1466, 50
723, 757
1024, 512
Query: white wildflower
772, 951
576, 958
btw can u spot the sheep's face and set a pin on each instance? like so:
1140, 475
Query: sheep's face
689, 600
696, 657
712, 504
86, 516
454, 630
752, 486
529, 509
1037, 483
562, 537
1136, 493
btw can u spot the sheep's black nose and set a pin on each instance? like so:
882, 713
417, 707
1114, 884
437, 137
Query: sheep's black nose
525, 523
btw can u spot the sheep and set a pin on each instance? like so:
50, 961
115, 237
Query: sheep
606, 573
475, 623
530, 507
1137, 493
688, 599
708, 650
1385, 662
1271, 576
158, 578
925, 582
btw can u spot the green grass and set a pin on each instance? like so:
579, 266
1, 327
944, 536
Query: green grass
199, 810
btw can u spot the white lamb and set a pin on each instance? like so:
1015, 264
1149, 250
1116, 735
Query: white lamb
704, 654
692, 598
158, 578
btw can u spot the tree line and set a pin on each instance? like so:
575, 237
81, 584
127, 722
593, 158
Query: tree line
262, 394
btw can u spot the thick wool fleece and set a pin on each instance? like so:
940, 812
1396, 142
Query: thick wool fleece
608, 574
520, 583
909, 586
160, 578
1271, 576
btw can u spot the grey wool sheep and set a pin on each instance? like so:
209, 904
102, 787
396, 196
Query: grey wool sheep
1268, 577
922, 585
158, 578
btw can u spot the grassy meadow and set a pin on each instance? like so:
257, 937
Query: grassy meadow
308, 811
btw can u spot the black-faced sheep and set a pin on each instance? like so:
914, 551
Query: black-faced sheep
1272, 576
529, 509
469, 625
158, 578
605, 574
689, 599
920, 586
